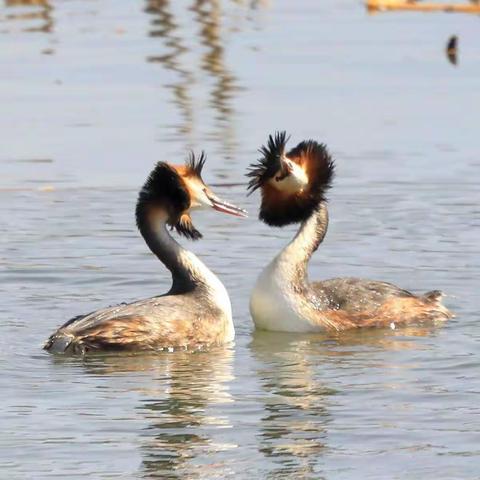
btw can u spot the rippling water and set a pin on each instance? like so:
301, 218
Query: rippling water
94, 92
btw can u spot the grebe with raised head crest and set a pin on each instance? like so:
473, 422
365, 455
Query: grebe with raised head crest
196, 312
293, 187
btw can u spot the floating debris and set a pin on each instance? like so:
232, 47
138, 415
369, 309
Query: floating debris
416, 6
46, 188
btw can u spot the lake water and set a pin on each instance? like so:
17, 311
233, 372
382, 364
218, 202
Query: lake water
93, 92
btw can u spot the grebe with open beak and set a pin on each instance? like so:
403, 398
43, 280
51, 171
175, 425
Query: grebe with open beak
293, 187
196, 312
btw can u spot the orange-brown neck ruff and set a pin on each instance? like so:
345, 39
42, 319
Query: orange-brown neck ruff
279, 208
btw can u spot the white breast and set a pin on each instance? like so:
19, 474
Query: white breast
222, 299
275, 306
218, 291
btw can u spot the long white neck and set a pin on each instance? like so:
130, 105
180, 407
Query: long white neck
187, 265
280, 300
200, 277
188, 271
293, 259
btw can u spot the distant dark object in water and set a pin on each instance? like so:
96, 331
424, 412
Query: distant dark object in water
452, 50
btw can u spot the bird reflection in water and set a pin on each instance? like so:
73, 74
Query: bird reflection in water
179, 59
300, 400
208, 13
182, 397
163, 26
293, 429
39, 13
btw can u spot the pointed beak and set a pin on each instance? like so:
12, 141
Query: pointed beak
225, 207
285, 169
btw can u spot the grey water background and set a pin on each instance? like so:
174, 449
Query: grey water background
93, 93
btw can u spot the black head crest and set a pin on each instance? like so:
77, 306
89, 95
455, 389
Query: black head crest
194, 165
279, 208
269, 163
165, 189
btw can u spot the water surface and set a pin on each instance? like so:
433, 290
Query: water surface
93, 93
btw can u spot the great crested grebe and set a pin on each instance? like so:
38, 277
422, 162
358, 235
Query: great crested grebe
293, 187
196, 311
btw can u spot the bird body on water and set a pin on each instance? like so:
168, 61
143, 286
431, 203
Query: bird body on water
283, 298
196, 312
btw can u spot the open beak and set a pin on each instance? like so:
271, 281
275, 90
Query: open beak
225, 207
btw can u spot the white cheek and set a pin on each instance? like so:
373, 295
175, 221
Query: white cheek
198, 198
294, 183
